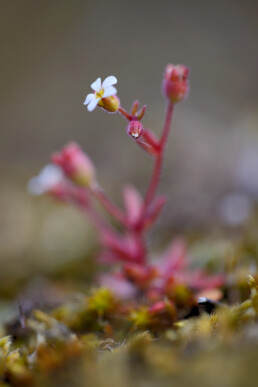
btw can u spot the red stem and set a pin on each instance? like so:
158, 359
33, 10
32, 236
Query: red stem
166, 128
124, 113
105, 229
151, 139
109, 206
133, 115
154, 181
159, 158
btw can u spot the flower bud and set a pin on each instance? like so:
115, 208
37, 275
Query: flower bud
110, 104
75, 164
135, 129
176, 82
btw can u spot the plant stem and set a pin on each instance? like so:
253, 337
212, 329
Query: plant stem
154, 181
139, 238
151, 139
159, 159
124, 113
166, 128
105, 229
109, 206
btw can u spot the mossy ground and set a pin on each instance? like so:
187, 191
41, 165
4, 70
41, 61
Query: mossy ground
94, 339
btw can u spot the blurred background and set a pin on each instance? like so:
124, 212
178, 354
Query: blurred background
51, 51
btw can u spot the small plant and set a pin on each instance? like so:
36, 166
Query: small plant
146, 324
72, 178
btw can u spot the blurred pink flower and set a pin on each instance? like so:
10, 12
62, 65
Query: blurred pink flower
75, 164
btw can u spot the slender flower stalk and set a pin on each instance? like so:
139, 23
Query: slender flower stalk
125, 113
151, 139
159, 158
167, 126
98, 193
150, 194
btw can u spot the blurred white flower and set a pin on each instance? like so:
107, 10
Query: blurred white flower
102, 90
49, 177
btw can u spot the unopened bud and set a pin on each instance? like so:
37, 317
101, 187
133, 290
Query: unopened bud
110, 104
135, 129
75, 164
176, 82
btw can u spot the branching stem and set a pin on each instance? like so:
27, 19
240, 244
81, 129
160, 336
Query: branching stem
151, 192
109, 206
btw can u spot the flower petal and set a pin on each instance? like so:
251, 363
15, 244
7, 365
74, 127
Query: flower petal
35, 187
96, 86
89, 98
93, 104
109, 81
49, 176
111, 90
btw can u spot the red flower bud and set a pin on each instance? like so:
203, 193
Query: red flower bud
135, 129
176, 82
75, 164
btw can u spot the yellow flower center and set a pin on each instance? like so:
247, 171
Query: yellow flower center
99, 94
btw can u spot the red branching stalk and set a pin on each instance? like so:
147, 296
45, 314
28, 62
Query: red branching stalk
79, 185
150, 195
125, 113
156, 148
149, 137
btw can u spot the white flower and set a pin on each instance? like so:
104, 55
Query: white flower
102, 90
48, 178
